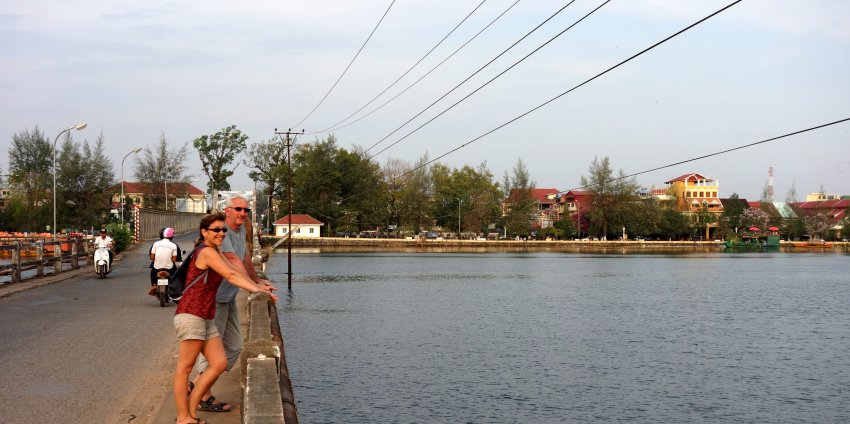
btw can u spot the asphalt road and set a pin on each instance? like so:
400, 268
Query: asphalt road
86, 350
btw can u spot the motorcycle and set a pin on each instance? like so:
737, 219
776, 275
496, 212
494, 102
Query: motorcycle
101, 261
162, 276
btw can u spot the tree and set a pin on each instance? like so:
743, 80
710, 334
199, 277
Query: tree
610, 195
701, 219
159, 167
730, 219
216, 152
567, 227
30, 173
465, 196
84, 178
794, 226
753, 217
362, 190
416, 197
316, 181
817, 225
519, 200
393, 170
269, 166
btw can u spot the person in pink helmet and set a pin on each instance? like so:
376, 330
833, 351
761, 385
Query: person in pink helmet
164, 254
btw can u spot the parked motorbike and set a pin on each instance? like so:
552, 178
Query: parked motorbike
101, 262
162, 276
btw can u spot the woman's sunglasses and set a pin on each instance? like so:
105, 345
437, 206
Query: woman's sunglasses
218, 230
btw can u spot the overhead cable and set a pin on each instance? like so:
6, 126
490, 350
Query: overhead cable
475, 73
349, 65
408, 70
335, 127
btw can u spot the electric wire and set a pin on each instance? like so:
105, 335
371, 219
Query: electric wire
407, 71
334, 128
349, 65
534, 109
474, 73
470, 76
491, 80
669, 165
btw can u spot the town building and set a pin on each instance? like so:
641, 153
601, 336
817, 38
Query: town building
695, 191
303, 226
181, 197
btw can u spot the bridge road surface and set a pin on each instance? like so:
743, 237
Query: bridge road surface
86, 350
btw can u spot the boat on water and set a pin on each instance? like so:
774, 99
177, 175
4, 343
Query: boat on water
753, 242
813, 244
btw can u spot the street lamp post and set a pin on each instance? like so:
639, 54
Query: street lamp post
73, 127
134, 151
459, 201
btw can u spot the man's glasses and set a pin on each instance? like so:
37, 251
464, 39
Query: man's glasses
218, 230
240, 209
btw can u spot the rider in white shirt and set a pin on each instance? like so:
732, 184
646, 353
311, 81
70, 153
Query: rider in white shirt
104, 241
164, 253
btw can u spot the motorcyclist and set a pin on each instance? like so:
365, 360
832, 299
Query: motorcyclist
104, 241
164, 254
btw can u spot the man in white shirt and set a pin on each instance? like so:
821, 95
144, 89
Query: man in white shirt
104, 241
164, 255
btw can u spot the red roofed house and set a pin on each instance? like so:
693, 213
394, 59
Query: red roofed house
303, 226
577, 203
182, 197
547, 202
835, 210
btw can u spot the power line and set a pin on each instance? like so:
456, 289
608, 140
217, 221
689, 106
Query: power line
334, 128
469, 77
349, 64
409, 69
583, 83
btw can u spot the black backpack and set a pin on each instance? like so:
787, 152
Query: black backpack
177, 282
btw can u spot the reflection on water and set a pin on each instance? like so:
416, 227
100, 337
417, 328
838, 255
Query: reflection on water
564, 337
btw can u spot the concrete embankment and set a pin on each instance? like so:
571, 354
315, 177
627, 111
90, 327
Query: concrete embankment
554, 245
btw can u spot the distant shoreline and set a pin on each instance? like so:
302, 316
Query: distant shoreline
269, 241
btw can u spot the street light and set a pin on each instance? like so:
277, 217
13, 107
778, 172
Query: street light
73, 127
134, 151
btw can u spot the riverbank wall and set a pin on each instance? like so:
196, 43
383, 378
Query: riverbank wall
392, 244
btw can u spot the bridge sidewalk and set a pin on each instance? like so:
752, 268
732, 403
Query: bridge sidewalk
228, 388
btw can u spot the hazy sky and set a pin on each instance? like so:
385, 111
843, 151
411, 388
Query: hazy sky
135, 69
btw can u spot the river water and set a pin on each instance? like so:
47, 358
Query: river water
549, 337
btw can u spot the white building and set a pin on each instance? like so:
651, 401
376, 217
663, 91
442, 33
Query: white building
303, 226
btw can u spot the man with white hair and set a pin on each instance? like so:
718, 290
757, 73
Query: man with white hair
226, 315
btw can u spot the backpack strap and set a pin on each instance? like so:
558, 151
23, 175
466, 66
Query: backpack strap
203, 274
192, 259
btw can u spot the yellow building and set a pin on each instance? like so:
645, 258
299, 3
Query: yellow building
693, 191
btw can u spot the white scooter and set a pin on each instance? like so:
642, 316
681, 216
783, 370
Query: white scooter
101, 261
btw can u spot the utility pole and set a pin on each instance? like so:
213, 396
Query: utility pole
288, 145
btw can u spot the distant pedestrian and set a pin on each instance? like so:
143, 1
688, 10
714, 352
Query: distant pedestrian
193, 319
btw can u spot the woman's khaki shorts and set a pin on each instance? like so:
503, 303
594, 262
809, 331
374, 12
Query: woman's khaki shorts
193, 327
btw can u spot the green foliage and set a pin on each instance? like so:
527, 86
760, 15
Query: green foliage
611, 195
467, 196
567, 227
416, 197
519, 200
83, 179
121, 235
159, 167
217, 151
268, 162
31, 175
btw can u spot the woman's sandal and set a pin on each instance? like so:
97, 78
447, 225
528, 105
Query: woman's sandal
209, 405
197, 421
